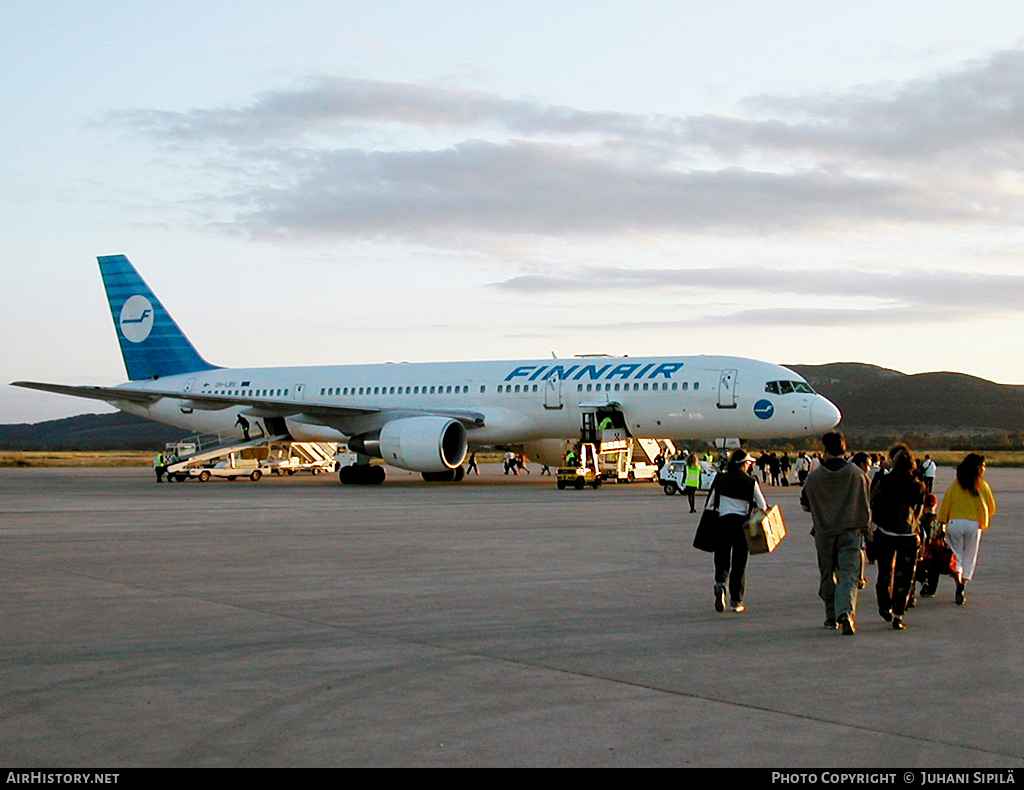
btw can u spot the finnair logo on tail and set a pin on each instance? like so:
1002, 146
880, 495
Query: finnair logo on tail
136, 319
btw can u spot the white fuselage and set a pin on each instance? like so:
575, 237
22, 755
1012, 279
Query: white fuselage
671, 397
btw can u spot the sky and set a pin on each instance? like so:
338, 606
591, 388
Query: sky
341, 182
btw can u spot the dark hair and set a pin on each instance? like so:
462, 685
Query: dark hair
968, 474
896, 449
902, 459
861, 460
834, 443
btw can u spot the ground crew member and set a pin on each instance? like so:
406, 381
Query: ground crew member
245, 427
692, 480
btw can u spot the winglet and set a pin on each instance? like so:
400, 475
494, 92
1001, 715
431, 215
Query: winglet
151, 343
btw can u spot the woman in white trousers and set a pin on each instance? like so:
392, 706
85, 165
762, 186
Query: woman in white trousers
967, 509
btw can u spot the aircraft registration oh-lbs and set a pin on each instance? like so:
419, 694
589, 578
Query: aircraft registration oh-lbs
424, 416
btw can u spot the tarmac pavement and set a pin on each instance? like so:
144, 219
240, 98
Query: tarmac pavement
494, 622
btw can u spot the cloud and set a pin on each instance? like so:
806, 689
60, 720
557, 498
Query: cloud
337, 103
937, 150
529, 187
898, 296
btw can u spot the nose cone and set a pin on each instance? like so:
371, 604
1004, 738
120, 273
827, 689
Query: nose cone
824, 415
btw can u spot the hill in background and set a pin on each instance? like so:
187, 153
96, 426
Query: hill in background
952, 407
118, 431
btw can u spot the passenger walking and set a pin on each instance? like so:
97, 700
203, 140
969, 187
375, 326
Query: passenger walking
802, 465
928, 470
897, 499
736, 493
967, 508
836, 495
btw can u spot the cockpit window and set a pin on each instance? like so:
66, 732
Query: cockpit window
786, 387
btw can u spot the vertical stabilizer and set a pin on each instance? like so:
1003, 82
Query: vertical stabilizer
151, 343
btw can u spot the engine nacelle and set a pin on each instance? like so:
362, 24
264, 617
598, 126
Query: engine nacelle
421, 444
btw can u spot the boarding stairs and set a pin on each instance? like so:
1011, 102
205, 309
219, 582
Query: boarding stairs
654, 447
211, 446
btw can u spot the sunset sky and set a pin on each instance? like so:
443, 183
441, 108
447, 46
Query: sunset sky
335, 182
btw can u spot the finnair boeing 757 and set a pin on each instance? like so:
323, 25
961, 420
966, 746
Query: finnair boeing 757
424, 416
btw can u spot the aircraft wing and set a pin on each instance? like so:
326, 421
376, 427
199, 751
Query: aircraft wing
316, 413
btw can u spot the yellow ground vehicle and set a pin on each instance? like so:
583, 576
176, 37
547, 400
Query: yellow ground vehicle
585, 472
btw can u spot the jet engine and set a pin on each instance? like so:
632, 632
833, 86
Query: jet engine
421, 444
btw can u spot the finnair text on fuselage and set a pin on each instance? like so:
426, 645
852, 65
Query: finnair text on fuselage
593, 372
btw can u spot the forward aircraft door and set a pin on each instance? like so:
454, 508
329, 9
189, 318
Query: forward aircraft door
727, 390
553, 393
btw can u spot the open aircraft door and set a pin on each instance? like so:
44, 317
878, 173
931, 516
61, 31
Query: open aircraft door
727, 390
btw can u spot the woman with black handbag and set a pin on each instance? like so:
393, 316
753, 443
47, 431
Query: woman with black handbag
736, 492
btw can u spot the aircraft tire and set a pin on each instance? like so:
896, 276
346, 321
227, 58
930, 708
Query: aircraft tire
460, 473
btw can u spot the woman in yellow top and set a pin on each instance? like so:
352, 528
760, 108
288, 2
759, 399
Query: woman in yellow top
966, 509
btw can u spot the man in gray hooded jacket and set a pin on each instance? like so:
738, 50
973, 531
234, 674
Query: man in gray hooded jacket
836, 494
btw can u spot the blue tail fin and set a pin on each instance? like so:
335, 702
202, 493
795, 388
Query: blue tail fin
151, 343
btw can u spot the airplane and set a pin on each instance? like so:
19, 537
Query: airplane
424, 416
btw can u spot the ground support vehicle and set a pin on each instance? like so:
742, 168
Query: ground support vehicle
585, 472
673, 476
620, 462
287, 458
207, 456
